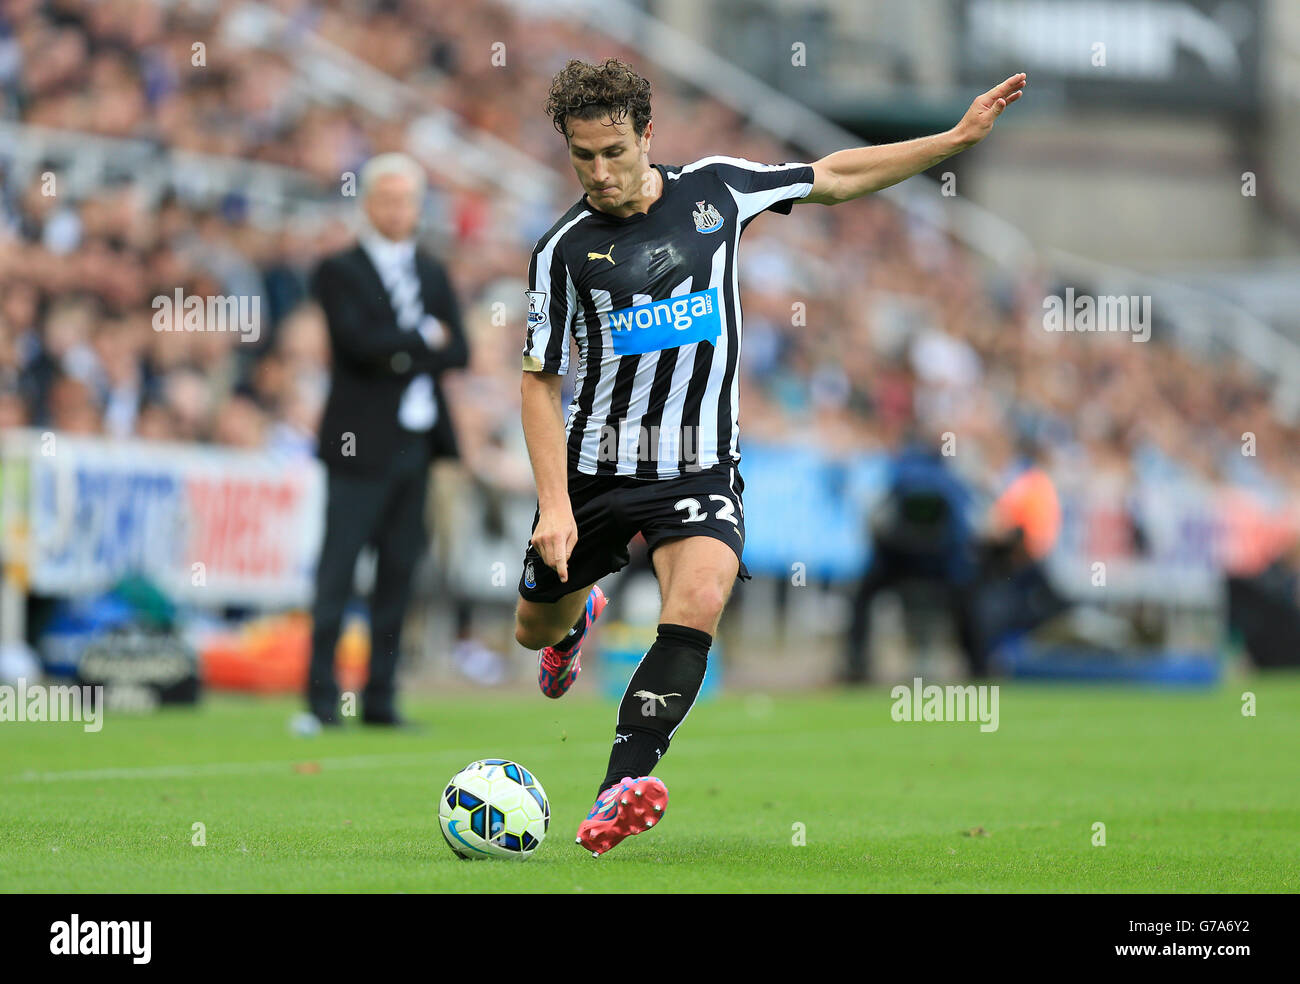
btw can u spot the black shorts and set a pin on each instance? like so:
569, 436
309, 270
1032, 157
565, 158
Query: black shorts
611, 510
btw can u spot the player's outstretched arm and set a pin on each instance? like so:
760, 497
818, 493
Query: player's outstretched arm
849, 174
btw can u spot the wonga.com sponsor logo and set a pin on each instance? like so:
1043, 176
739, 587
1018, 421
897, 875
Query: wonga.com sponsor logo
668, 323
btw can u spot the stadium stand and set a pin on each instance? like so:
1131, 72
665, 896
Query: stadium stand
153, 145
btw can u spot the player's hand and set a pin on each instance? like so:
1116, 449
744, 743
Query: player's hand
986, 108
555, 536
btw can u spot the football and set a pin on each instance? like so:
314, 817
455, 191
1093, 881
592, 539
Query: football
494, 809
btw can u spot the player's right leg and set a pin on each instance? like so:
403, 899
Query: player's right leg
630, 806
696, 557
554, 616
560, 662
541, 623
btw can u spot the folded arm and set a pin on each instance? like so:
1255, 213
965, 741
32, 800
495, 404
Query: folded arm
376, 346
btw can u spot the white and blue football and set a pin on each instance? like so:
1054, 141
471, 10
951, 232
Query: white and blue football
494, 809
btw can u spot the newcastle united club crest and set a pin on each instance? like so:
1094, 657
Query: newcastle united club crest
707, 218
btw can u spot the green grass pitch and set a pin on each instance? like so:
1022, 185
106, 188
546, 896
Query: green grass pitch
1195, 797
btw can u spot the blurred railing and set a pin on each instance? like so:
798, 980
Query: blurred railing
326, 73
437, 136
1208, 324
85, 162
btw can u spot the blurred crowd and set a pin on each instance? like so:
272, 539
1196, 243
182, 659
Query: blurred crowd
861, 322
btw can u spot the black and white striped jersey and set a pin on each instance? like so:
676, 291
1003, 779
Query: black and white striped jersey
652, 302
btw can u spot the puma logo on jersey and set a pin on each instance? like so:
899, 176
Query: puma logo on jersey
618, 737
603, 256
647, 695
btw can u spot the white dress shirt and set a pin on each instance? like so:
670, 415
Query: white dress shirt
395, 262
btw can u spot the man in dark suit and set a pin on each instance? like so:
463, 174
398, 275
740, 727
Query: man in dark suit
394, 326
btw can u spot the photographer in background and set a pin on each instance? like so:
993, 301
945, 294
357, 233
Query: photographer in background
1011, 593
922, 532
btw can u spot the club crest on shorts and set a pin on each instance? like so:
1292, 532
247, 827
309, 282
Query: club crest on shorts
707, 217
536, 307
530, 578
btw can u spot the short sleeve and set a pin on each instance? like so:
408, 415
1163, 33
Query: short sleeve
552, 303
760, 187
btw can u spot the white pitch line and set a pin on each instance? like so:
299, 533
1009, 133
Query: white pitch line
707, 745
216, 768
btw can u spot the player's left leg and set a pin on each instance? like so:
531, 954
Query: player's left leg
696, 574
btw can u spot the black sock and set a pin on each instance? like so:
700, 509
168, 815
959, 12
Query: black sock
658, 697
575, 633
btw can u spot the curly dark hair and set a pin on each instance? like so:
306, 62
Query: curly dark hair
588, 92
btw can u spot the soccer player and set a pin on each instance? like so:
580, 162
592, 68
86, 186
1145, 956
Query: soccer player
641, 271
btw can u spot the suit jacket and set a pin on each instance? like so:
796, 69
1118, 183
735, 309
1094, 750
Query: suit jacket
374, 360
